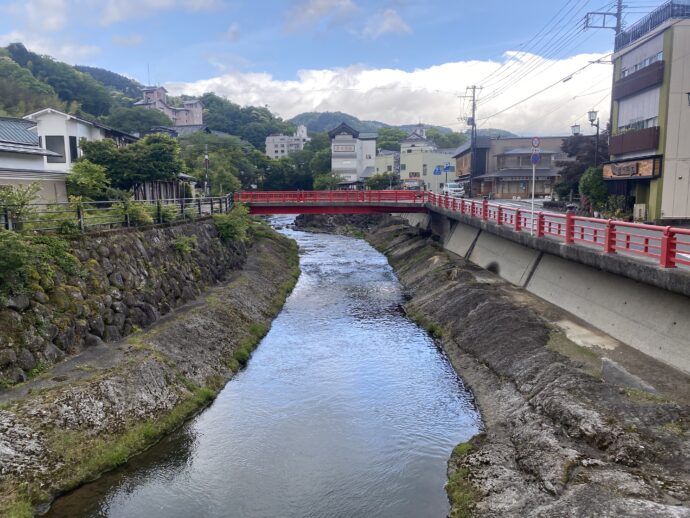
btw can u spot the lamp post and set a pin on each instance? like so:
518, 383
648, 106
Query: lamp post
575, 128
594, 121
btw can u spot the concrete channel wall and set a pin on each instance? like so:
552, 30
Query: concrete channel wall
643, 306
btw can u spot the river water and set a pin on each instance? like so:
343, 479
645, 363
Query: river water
346, 409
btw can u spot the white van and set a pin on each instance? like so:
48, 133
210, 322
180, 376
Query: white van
454, 189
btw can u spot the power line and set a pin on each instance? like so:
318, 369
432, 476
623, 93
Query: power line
545, 89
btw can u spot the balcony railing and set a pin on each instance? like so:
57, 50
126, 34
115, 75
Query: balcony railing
647, 77
639, 140
668, 11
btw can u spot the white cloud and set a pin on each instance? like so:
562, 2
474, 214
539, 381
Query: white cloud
388, 21
431, 94
69, 52
233, 32
46, 15
312, 12
128, 40
114, 11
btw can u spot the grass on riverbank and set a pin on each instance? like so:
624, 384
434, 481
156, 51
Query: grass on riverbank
461, 493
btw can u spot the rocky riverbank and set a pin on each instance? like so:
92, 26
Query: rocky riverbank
92, 411
558, 441
356, 225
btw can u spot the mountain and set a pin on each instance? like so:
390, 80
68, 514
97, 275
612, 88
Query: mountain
495, 133
114, 82
317, 122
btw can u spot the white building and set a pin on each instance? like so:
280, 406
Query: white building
23, 161
156, 98
60, 133
420, 159
279, 146
353, 155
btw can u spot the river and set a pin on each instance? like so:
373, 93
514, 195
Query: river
346, 409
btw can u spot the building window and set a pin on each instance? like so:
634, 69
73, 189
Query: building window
389, 168
642, 64
56, 144
73, 151
639, 124
403, 167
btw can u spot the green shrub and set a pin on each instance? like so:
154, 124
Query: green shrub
191, 212
233, 226
138, 213
242, 356
29, 261
185, 244
168, 213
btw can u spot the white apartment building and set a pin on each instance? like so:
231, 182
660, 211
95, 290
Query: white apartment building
280, 146
419, 158
353, 155
61, 132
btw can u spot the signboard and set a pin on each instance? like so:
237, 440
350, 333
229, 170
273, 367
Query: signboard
446, 167
536, 157
536, 142
437, 170
634, 169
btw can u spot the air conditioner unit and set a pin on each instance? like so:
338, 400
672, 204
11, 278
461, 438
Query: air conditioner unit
640, 211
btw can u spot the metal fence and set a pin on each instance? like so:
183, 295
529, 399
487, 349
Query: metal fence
665, 12
80, 217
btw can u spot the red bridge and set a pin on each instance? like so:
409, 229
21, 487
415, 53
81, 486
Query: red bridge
668, 247
332, 202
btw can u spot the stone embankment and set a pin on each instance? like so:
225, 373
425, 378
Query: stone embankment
122, 282
558, 441
92, 411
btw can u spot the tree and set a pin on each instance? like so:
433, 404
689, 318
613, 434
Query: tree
446, 140
136, 120
389, 138
16, 200
382, 181
581, 148
326, 182
88, 180
155, 157
593, 187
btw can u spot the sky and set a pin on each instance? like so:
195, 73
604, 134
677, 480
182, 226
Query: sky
396, 61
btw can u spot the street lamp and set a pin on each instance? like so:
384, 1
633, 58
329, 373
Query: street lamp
688, 98
594, 121
575, 128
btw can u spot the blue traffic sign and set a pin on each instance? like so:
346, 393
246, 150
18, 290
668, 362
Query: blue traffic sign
536, 158
446, 167
437, 170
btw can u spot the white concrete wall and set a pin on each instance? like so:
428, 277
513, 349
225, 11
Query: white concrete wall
649, 319
652, 320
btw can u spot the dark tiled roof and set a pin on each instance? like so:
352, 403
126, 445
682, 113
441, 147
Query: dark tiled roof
368, 136
17, 131
25, 149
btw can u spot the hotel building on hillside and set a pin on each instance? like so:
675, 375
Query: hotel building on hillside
280, 146
353, 155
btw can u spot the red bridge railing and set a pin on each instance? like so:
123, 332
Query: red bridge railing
330, 197
669, 247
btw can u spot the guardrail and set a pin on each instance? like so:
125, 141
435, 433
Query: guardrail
330, 197
669, 247
81, 217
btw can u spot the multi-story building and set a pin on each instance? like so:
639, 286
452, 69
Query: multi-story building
353, 155
504, 167
23, 161
156, 98
61, 133
420, 158
280, 146
650, 122
387, 162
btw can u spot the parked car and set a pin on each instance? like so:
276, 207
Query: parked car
454, 189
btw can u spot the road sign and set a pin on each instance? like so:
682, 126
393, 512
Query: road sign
536, 158
446, 167
536, 142
437, 170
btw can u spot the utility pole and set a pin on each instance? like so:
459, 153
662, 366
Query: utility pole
472, 123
